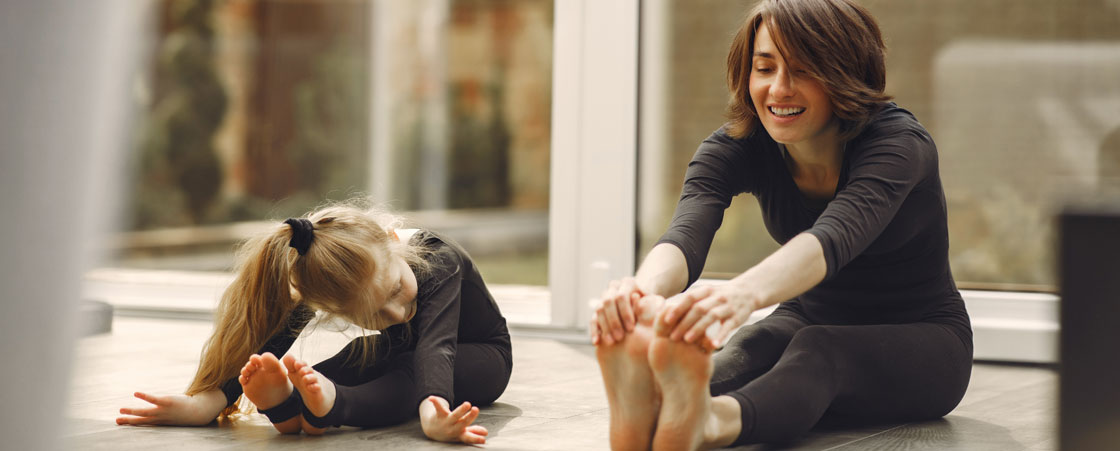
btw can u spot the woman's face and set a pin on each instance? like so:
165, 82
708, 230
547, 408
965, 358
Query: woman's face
792, 106
400, 283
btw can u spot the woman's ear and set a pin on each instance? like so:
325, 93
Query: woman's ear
393, 233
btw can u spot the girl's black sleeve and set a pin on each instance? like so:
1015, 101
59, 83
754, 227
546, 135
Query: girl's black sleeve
437, 329
278, 345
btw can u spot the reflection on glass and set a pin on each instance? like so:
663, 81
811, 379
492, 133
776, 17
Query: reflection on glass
251, 110
1020, 96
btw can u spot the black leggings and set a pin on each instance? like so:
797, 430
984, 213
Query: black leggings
786, 373
384, 393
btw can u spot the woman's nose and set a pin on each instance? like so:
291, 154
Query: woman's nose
782, 85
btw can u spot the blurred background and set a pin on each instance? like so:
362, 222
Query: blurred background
1022, 98
251, 110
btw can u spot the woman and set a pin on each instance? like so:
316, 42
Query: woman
442, 337
870, 326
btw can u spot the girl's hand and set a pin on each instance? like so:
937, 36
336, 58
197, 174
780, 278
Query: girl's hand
700, 307
444, 425
614, 312
178, 410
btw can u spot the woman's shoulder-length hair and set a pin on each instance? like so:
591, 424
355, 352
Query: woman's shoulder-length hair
836, 41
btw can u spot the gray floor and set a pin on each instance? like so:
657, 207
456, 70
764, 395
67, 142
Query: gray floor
555, 401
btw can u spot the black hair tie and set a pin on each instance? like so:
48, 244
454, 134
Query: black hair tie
303, 233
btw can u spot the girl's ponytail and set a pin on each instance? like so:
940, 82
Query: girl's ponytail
252, 309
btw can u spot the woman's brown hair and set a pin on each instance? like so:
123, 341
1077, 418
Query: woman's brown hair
836, 41
351, 245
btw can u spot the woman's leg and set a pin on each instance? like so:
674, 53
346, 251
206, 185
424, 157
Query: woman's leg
632, 393
753, 350
896, 372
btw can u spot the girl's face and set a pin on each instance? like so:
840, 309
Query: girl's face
792, 106
400, 283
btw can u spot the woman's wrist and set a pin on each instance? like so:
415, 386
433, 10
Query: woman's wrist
746, 295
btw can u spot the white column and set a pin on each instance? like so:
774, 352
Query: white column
67, 65
594, 152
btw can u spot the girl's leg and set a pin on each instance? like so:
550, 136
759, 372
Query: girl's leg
897, 372
753, 350
265, 383
482, 372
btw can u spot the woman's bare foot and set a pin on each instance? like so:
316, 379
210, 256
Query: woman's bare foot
682, 370
265, 382
631, 390
316, 390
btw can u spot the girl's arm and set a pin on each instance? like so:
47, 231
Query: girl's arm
445, 425
182, 410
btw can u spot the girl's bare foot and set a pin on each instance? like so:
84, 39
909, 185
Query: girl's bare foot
682, 370
265, 382
316, 390
631, 390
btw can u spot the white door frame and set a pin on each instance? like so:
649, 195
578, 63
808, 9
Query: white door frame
592, 228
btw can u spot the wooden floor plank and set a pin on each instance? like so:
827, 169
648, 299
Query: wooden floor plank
555, 401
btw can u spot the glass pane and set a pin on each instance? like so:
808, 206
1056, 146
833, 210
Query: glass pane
250, 111
1020, 96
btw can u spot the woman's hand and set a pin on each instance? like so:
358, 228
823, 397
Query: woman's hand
442, 424
728, 304
177, 410
614, 313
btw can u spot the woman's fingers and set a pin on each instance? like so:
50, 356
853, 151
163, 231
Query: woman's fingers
614, 323
604, 329
683, 303
700, 329
625, 303
593, 329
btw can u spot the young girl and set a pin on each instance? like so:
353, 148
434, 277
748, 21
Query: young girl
443, 339
871, 326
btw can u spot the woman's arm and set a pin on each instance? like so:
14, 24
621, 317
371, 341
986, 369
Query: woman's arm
181, 410
791, 270
663, 272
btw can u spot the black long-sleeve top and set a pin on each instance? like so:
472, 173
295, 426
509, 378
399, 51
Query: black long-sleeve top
453, 306
884, 233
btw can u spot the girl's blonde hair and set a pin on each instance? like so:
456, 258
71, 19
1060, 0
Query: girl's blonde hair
335, 276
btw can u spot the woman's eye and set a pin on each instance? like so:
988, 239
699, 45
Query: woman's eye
763, 70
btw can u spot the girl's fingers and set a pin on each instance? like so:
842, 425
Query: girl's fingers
460, 411
469, 417
136, 421
476, 429
157, 400
471, 438
440, 408
145, 412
